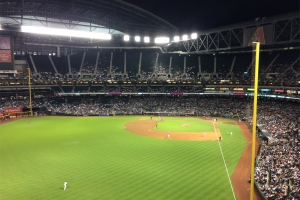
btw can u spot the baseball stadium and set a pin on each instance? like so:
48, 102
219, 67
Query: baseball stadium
106, 100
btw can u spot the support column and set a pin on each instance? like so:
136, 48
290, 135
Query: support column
82, 62
215, 64
33, 65
232, 64
69, 65
53, 65
58, 51
157, 55
140, 61
111, 59
170, 65
124, 63
96, 65
184, 64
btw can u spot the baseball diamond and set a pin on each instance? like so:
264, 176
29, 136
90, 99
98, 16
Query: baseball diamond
96, 155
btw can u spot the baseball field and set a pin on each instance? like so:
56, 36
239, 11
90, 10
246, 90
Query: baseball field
119, 158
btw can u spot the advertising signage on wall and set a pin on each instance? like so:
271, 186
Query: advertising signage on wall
224, 89
5, 56
209, 89
5, 43
13, 110
238, 89
279, 90
291, 91
265, 90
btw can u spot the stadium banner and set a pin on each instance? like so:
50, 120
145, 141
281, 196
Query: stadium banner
5, 43
13, 110
8, 71
279, 90
238, 89
262, 34
5, 56
209, 88
239, 94
224, 89
265, 90
115, 93
291, 91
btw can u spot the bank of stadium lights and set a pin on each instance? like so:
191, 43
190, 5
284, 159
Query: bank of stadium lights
146, 39
137, 38
126, 37
65, 32
194, 36
185, 37
161, 40
176, 39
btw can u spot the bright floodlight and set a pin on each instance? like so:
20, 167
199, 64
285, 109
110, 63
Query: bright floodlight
137, 38
185, 37
161, 40
146, 39
65, 32
176, 39
126, 37
194, 36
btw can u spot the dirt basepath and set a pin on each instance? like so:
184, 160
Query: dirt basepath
242, 173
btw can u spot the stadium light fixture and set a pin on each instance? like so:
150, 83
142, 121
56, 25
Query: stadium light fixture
194, 36
185, 37
126, 38
65, 32
146, 39
137, 38
176, 39
161, 40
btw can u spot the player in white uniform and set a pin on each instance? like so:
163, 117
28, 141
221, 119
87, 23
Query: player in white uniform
65, 185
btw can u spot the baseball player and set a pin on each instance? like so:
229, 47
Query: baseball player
65, 185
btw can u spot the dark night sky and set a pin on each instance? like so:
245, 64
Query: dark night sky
197, 15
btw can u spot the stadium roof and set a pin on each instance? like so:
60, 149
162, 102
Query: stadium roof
113, 16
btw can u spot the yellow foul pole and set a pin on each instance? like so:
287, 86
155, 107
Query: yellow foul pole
29, 88
257, 49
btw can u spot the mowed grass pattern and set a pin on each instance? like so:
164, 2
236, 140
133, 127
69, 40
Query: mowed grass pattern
184, 124
102, 161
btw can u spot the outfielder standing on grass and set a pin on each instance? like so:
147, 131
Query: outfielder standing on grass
65, 185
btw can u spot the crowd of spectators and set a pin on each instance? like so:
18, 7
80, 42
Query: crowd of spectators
278, 167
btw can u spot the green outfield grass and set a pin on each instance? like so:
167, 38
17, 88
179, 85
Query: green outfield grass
100, 160
187, 124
